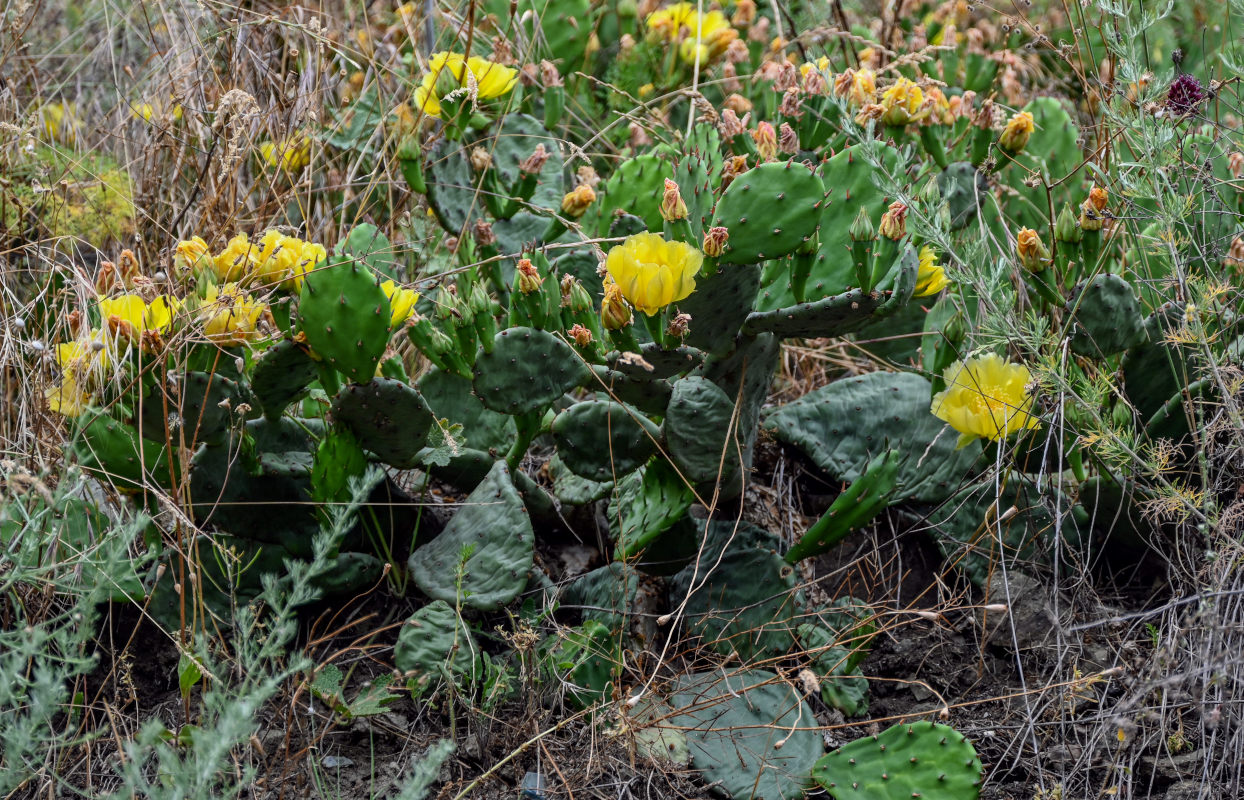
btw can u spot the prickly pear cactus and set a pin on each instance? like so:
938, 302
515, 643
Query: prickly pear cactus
601, 440
770, 211
114, 452
604, 595
388, 417
749, 732
699, 432
450, 397
921, 759
635, 188
281, 375
1106, 316
344, 315
841, 426
742, 603
719, 306
483, 556
434, 642
198, 407
526, 371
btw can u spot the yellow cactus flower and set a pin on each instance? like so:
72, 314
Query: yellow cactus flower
1015, 136
651, 272
707, 35
310, 256
822, 64
128, 315
237, 260
291, 155
902, 103
986, 397
932, 277
401, 302
83, 363
232, 317
276, 257
191, 255
859, 87
491, 80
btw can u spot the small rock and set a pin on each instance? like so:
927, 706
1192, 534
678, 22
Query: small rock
1028, 621
337, 762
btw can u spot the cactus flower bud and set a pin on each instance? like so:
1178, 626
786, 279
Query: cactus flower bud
679, 326
814, 83
733, 167
615, 314
581, 335
1235, 255
484, 236
894, 222
791, 106
587, 175
766, 141
576, 203
673, 207
1014, 137
481, 159
529, 278
1032, 253
715, 241
902, 103
534, 162
788, 140
1235, 163
1066, 229
549, 76
870, 112
862, 229
730, 124
744, 13
1092, 210
787, 77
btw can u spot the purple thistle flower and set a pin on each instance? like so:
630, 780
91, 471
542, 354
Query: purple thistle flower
1185, 96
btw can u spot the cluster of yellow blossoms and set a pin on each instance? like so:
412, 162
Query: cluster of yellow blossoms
276, 260
448, 72
701, 37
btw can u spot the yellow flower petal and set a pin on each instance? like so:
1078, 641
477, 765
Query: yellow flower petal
986, 397
651, 272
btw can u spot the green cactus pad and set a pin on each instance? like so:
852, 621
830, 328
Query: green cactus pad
350, 573
601, 440
648, 394
841, 685
450, 397
389, 418
648, 502
527, 371
626, 225
635, 188
367, 243
284, 446
281, 375
433, 642
338, 458
831, 316
745, 373
452, 185
843, 425
658, 362
749, 732
698, 427
483, 556
1106, 316
922, 759
1156, 369
345, 316
851, 183
770, 211
572, 490
197, 407
691, 175
604, 595
743, 603
719, 305
114, 453
958, 526
964, 189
